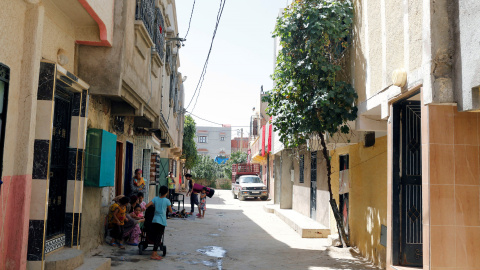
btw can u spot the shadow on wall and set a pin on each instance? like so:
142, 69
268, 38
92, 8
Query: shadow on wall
357, 69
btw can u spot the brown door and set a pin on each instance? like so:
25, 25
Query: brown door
118, 169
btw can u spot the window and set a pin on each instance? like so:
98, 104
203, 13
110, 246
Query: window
302, 165
222, 138
4, 79
202, 139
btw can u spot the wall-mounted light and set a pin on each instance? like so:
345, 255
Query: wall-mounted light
399, 77
184, 78
62, 57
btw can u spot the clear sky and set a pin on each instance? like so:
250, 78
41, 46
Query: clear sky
241, 60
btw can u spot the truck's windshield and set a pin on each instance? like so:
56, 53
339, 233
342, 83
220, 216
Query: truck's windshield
251, 179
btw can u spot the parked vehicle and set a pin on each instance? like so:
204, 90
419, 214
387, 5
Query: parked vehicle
247, 183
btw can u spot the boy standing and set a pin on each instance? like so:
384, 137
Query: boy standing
171, 185
159, 219
193, 194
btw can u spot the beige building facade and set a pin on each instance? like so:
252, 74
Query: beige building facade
71, 70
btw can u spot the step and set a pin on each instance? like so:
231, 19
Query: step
64, 259
96, 264
303, 225
269, 208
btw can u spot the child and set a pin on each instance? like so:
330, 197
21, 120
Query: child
118, 220
203, 201
159, 219
137, 214
141, 202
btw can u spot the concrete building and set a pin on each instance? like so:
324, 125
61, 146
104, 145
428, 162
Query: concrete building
214, 141
408, 186
77, 76
239, 144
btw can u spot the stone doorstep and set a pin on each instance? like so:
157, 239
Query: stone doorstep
96, 264
306, 227
64, 259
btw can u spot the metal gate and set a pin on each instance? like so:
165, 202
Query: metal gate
313, 185
59, 163
163, 173
411, 185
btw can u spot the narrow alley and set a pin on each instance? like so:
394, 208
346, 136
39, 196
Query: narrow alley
235, 235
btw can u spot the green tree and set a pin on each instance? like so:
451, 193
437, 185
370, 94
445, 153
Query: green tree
207, 169
189, 150
236, 157
309, 98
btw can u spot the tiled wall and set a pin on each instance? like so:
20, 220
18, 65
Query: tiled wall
454, 188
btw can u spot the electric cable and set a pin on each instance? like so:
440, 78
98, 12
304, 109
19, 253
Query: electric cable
190, 21
210, 120
202, 75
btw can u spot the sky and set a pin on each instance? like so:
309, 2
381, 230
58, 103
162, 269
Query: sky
241, 61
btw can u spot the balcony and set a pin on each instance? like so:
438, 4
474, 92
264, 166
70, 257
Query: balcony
153, 21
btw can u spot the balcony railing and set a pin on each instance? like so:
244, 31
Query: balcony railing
153, 20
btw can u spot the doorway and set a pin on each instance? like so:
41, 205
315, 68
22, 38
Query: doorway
313, 185
128, 169
59, 163
407, 184
118, 169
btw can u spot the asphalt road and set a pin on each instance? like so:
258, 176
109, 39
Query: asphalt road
235, 235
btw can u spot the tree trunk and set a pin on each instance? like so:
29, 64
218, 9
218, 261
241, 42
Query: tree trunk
341, 230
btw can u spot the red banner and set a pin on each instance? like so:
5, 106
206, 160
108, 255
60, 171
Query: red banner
270, 136
263, 141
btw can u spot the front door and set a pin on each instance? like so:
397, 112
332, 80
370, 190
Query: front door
58, 163
118, 169
411, 185
313, 185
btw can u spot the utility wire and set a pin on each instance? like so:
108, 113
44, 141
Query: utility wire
190, 21
204, 71
204, 119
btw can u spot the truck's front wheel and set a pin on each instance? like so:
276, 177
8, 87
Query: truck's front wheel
264, 198
240, 197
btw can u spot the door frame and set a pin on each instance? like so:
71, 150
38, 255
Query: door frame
313, 185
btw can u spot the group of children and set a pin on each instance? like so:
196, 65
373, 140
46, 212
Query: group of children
134, 207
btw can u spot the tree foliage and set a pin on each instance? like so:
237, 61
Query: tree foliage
236, 157
189, 150
207, 169
308, 96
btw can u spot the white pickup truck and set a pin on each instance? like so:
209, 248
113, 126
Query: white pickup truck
249, 186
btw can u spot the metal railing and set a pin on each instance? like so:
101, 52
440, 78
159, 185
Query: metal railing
153, 20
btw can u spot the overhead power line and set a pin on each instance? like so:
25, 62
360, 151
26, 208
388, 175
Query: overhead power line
212, 121
190, 21
204, 71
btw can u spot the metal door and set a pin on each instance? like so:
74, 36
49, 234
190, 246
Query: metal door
411, 185
313, 185
118, 169
58, 163
128, 169
163, 173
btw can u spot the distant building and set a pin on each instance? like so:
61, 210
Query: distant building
240, 144
214, 142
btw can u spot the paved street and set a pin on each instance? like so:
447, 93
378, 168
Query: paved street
250, 238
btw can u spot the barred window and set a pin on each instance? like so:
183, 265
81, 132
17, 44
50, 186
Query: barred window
302, 165
202, 139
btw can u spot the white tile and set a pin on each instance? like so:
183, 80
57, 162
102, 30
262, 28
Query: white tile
44, 120
78, 197
38, 199
70, 196
74, 132
82, 135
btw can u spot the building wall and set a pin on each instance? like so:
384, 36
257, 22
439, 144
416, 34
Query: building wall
451, 185
213, 144
367, 195
97, 200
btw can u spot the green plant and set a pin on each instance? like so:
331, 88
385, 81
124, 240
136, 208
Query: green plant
236, 157
309, 99
226, 185
189, 150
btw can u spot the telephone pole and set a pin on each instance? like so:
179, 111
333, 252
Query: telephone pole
241, 140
